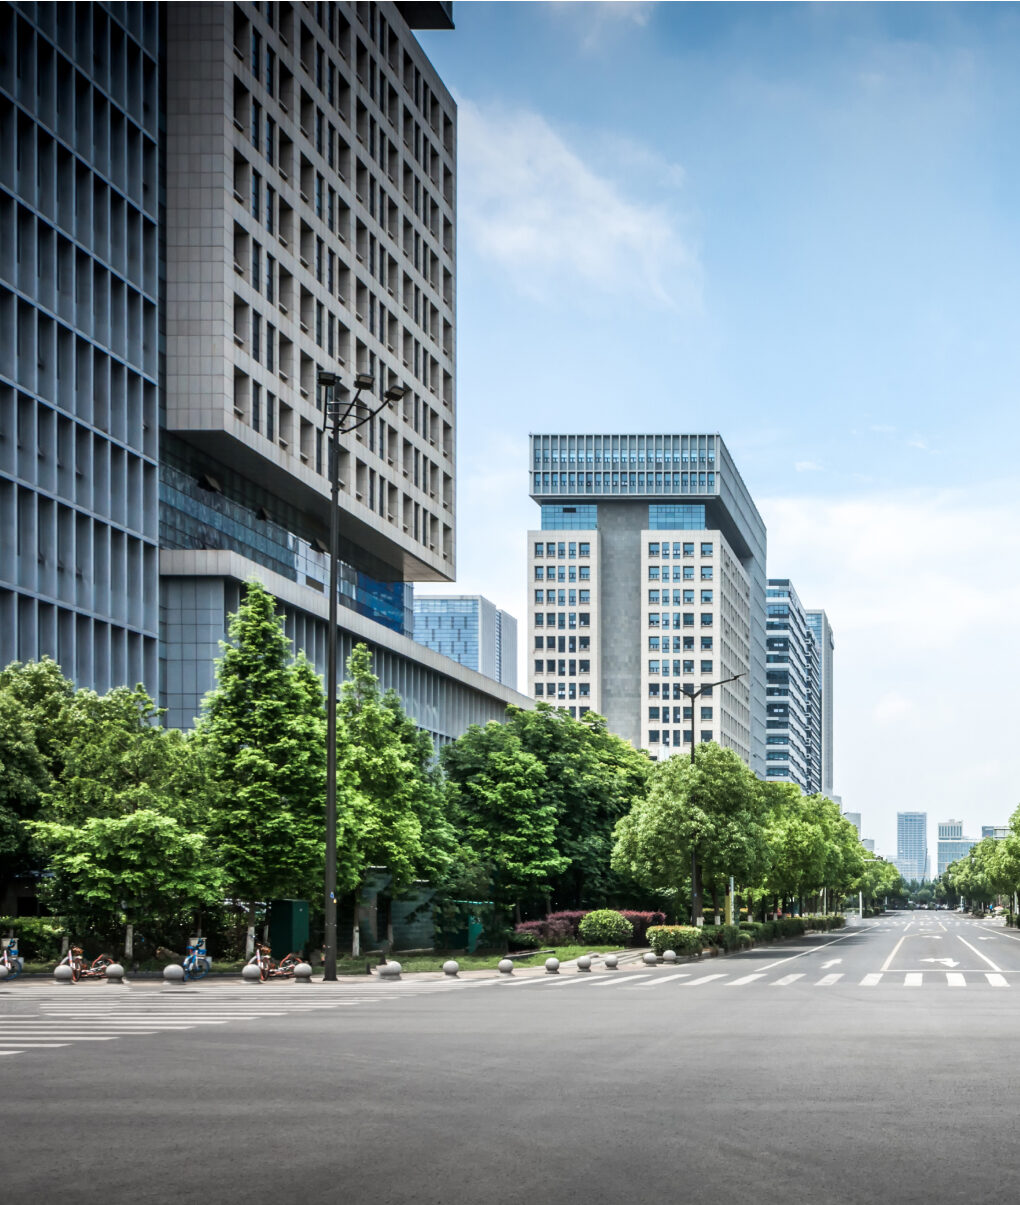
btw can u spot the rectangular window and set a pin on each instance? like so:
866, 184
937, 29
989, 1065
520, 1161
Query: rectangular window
584, 573
584, 619
706, 643
688, 619
539, 596
584, 596
256, 124
256, 196
706, 713
538, 667
653, 644
653, 549
706, 549
706, 596
270, 417
538, 620
256, 406
571, 550
270, 347
256, 337
539, 690
539, 549
706, 619
270, 279
689, 549
584, 667
688, 644
653, 596
689, 597
688, 573
539, 573
706, 667
270, 140
653, 573
653, 736
688, 667
653, 713
584, 549
256, 266
653, 667
705, 736
706, 573
653, 690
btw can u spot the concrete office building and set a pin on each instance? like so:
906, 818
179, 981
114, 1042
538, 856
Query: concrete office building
952, 844
869, 844
471, 630
306, 223
821, 629
997, 832
855, 820
647, 574
912, 844
793, 700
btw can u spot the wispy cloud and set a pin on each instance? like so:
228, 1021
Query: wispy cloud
597, 23
807, 466
530, 203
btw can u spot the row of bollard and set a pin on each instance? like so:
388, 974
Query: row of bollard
173, 975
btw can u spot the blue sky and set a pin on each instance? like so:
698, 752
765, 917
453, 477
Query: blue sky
797, 225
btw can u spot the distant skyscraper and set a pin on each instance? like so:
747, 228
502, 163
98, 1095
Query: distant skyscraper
648, 576
793, 701
996, 831
471, 630
818, 622
869, 844
855, 820
952, 844
912, 844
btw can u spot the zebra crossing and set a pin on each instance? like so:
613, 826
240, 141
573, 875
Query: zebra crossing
684, 979
106, 1014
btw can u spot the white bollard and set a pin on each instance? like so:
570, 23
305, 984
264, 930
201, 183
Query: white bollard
251, 974
611, 962
669, 956
64, 974
390, 970
303, 973
451, 968
505, 966
584, 963
173, 974
115, 973
650, 960
552, 966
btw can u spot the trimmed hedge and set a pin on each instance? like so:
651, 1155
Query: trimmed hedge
606, 928
684, 939
563, 928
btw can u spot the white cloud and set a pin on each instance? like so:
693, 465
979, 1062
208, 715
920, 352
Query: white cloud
531, 204
923, 591
807, 466
599, 22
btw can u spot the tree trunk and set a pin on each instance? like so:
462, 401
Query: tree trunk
249, 937
715, 904
356, 929
129, 942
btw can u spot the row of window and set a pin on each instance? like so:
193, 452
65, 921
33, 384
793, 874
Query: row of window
684, 644
568, 548
680, 548
688, 622
682, 573
565, 598
564, 644
563, 619
563, 573
679, 737
657, 482
616, 457
657, 618
679, 667
563, 690
679, 714
565, 668
654, 691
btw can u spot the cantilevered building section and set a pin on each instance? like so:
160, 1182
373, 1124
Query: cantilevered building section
646, 575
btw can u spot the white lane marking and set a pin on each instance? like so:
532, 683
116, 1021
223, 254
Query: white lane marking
813, 950
996, 980
788, 979
660, 979
2, 1052
747, 979
833, 962
979, 954
914, 979
604, 980
895, 950
704, 979
829, 980
956, 979
872, 980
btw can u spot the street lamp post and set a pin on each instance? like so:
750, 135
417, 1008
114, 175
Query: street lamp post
341, 419
690, 693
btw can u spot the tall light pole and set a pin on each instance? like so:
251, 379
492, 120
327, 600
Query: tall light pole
341, 419
690, 693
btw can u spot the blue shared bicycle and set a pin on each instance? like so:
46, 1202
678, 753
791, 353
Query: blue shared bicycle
196, 961
10, 958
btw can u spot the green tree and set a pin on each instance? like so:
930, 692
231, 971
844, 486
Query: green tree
123, 826
500, 806
704, 818
592, 779
34, 702
263, 730
393, 813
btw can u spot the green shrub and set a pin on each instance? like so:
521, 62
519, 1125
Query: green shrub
525, 940
39, 937
728, 936
791, 926
683, 939
605, 928
744, 940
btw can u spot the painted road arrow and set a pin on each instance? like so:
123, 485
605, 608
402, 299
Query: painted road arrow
833, 962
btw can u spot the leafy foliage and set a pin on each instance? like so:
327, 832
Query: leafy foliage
606, 927
682, 939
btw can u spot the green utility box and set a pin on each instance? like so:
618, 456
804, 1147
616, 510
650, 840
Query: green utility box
288, 926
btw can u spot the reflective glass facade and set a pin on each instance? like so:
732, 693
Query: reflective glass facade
912, 844
79, 338
472, 631
793, 691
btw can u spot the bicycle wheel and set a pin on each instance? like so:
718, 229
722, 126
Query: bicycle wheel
15, 967
99, 965
266, 969
75, 970
198, 967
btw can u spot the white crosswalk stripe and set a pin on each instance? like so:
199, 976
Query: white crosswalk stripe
788, 979
829, 980
872, 980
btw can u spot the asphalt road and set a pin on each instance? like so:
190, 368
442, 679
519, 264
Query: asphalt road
871, 1065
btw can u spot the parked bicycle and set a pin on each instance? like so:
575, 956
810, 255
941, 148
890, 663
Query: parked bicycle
10, 958
269, 968
196, 961
81, 968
